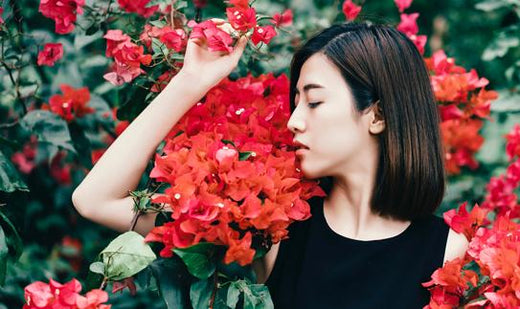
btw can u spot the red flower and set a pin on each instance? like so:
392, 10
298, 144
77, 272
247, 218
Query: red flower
263, 34
283, 20
513, 142
174, 38
408, 24
51, 53
38, 295
242, 19
216, 39
243, 4
63, 12
240, 251
351, 10
467, 223
25, 160
138, 6
127, 55
63, 296
1, 12
72, 104
419, 41
403, 4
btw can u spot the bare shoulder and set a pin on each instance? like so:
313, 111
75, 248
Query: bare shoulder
456, 246
264, 266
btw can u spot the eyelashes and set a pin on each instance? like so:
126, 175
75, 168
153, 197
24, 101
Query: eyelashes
313, 104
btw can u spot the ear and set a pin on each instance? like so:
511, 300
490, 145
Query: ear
377, 121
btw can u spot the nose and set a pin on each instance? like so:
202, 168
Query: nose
296, 124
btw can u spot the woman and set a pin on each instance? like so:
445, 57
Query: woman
366, 121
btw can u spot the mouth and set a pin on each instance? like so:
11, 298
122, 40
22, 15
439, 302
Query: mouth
299, 145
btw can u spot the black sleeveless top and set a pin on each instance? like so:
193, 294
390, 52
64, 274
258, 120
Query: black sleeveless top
318, 268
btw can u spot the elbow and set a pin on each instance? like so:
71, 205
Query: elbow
81, 204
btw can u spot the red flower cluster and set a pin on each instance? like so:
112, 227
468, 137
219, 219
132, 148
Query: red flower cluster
215, 38
72, 104
40, 295
492, 262
232, 172
463, 103
466, 223
408, 26
138, 6
174, 39
501, 197
51, 53
127, 55
496, 283
63, 12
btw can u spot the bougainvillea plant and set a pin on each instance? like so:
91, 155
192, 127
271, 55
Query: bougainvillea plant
225, 180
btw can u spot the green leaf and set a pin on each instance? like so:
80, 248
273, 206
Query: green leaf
233, 294
491, 5
81, 144
500, 46
257, 297
173, 282
10, 179
3, 256
507, 102
97, 268
126, 255
14, 241
200, 293
225, 141
49, 128
242, 156
198, 259
235, 271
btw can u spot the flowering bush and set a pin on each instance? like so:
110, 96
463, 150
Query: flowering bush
72, 90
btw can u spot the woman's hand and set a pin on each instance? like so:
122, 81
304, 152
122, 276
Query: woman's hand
208, 67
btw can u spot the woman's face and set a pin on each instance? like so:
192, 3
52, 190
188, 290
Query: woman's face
324, 120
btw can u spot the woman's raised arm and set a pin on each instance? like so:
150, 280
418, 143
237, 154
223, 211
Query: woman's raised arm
103, 195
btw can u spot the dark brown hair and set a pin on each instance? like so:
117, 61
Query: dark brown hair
381, 64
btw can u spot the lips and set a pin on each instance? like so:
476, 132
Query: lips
299, 145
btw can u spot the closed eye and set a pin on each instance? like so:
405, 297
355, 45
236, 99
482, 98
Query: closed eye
314, 104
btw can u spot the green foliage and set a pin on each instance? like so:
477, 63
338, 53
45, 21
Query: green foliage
125, 256
198, 259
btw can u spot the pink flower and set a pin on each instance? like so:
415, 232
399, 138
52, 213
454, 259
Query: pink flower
283, 20
127, 55
51, 53
174, 39
351, 10
408, 24
216, 39
63, 12
138, 6
1, 12
241, 19
419, 41
403, 4
263, 34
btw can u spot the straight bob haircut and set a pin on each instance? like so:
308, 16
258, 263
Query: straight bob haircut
382, 66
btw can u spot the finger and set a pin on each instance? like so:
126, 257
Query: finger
218, 21
239, 48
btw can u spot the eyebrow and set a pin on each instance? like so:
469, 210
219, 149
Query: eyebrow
308, 87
